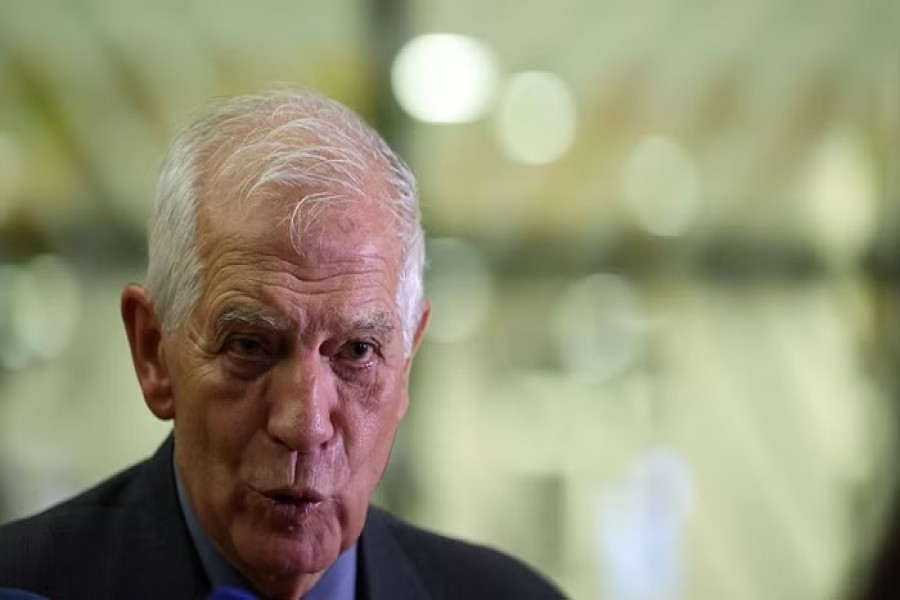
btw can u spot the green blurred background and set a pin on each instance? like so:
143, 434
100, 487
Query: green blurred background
664, 249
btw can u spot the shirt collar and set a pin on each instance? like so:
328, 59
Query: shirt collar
337, 583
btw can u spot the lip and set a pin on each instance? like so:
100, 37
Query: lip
290, 507
289, 495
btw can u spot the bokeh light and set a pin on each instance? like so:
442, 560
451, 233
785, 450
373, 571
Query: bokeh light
842, 196
42, 305
460, 288
662, 186
640, 527
536, 118
599, 328
444, 78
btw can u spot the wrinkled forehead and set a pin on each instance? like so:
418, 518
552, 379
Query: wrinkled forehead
312, 229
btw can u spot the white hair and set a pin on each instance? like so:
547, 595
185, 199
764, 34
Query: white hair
287, 137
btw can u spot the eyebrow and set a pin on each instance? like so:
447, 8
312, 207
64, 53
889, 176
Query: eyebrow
380, 324
250, 318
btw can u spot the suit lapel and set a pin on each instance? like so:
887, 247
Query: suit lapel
169, 557
387, 572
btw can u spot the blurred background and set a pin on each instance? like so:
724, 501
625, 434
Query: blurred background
664, 264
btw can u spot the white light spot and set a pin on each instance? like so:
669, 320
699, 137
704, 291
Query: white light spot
460, 289
44, 306
662, 186
842, 196
640, 528
537, 118
598, 327
444, 78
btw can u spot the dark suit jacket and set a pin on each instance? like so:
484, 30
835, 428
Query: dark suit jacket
126, 538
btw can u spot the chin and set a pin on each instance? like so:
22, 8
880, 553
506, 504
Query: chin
289, 541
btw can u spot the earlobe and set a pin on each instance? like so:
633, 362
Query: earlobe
145, 338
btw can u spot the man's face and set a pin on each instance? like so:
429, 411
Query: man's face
289, 380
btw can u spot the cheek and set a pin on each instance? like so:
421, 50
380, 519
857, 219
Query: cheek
377, 391
370, 421
222, 411
364, 387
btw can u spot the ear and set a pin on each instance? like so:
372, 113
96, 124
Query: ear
145, 337
420, 328
419, 333
417, 339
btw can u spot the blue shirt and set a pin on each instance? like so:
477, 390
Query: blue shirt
337, 583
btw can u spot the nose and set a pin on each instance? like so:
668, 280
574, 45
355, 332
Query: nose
300, 413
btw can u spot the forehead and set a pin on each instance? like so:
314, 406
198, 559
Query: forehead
343, 258
342, 228
315, 233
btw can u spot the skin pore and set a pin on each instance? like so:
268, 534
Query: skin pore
286, 384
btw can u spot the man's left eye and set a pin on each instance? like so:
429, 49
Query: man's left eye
246, 347
357, 352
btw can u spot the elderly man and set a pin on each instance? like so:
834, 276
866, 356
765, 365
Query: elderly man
282, 312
